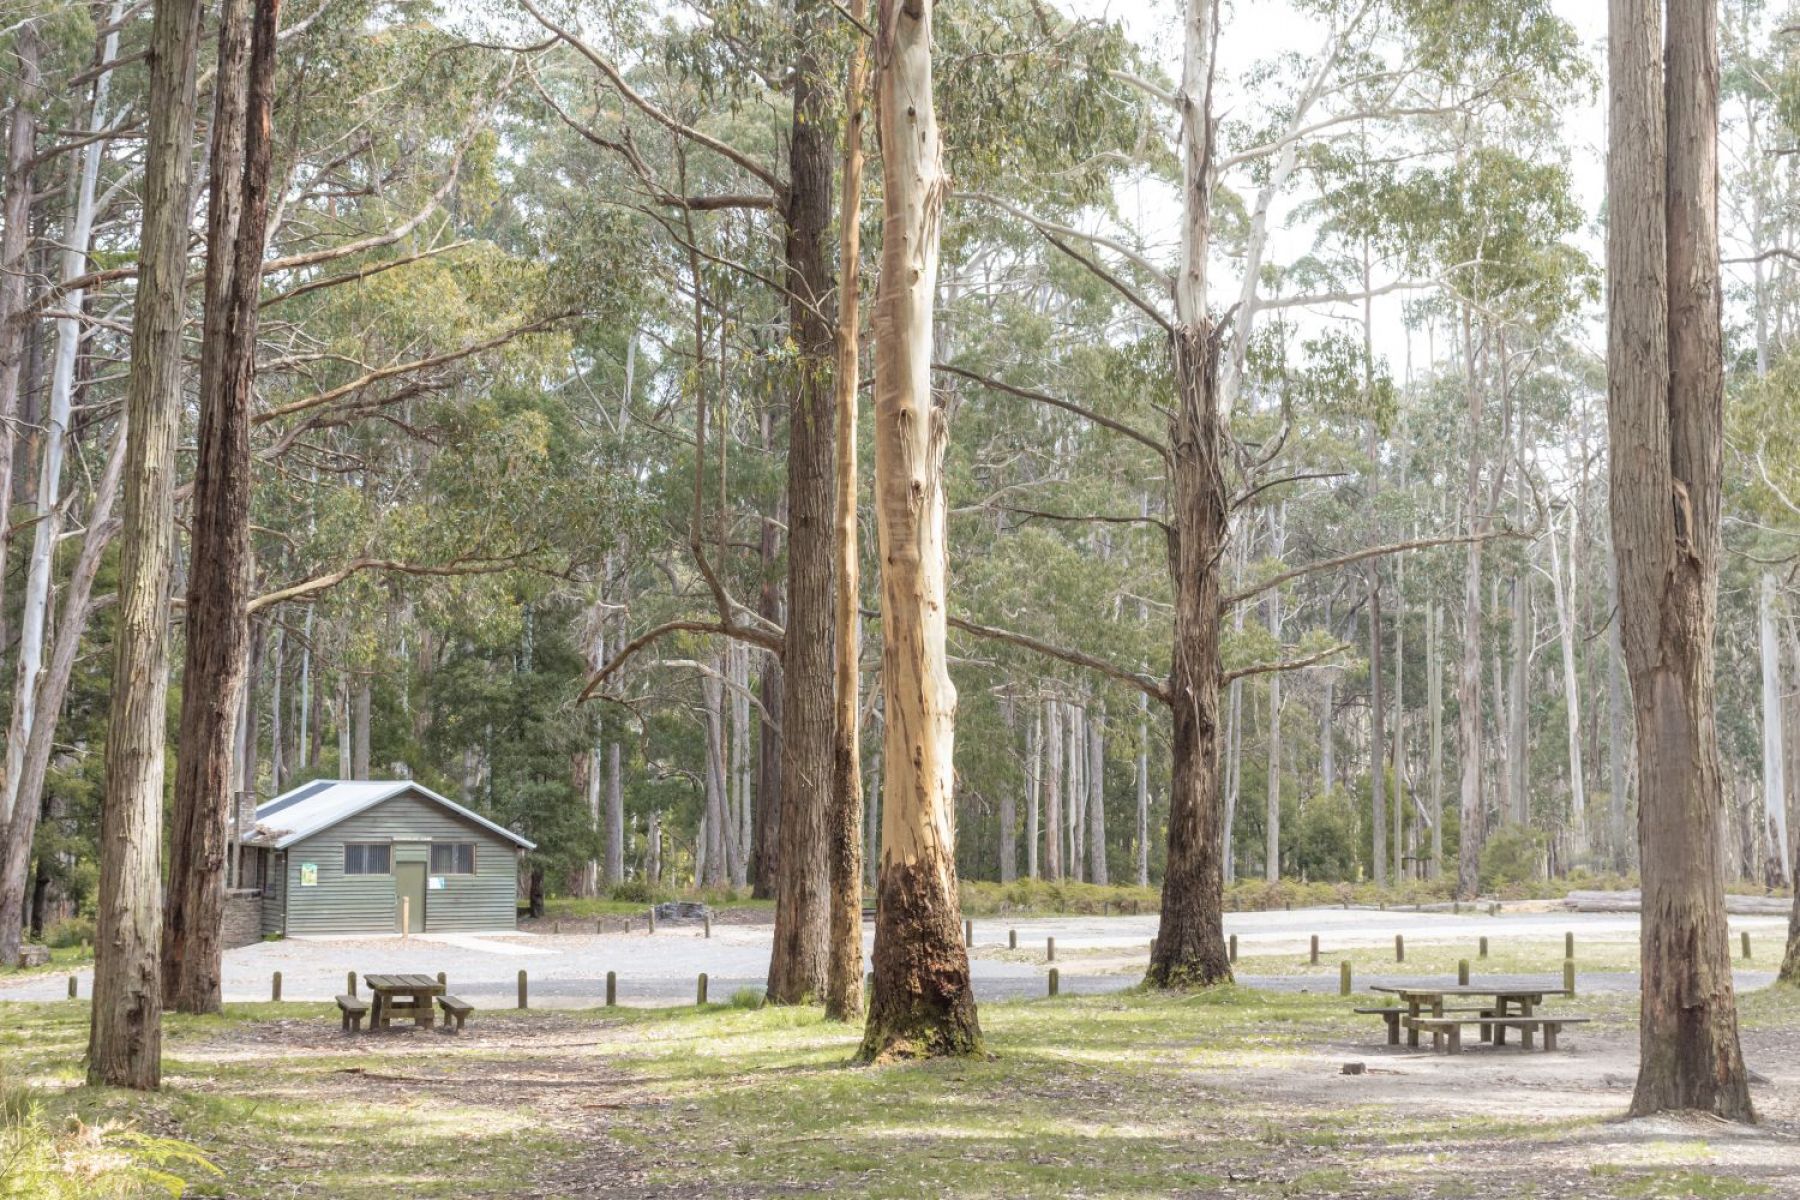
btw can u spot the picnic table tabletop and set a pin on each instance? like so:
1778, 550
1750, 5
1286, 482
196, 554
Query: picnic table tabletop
412, 984
1501, 988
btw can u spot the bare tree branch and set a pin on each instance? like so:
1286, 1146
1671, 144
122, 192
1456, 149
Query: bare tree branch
756, 637
1287, 664
1118, 427
1152, 687
1356, 556
651, 110
330, 579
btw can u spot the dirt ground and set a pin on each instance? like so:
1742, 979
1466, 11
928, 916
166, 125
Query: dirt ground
1490, 1122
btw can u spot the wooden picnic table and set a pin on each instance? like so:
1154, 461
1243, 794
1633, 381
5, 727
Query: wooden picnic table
1522, 998
402, 996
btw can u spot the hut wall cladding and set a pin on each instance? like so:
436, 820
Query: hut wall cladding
367, 903
274, 906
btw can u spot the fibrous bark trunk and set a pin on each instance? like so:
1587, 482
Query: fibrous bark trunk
125, 1039
844, 971
923, 1002
1664, 398
800, 958
1190, 944
219, 573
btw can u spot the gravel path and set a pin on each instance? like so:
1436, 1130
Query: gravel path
569, 970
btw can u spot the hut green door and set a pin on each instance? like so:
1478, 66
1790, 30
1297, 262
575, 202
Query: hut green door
409, 896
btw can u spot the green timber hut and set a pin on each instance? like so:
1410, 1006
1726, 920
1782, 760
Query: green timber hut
339, 857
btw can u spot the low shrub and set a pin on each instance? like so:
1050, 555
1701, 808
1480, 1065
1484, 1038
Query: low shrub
86, 1162
71, 931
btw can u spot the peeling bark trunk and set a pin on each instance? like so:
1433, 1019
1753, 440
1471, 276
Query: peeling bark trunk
125, 1039
923, 1002
1190, 945
1665, 384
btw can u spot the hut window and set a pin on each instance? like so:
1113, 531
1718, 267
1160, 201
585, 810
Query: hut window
365, 858
453, 858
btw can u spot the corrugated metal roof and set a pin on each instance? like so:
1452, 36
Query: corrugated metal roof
314, 807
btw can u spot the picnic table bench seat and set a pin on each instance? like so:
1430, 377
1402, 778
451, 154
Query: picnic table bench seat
1446, 1032
353, 1010
455, 1008
1395, 1013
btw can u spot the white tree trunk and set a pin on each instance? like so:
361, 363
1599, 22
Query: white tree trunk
1774, 758
1034, 777
1565, 619
1096, 800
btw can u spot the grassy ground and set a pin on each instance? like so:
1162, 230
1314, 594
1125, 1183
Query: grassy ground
1234, 1092
62, 958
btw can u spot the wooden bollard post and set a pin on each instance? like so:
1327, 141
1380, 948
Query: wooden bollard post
556, 925
1569, 944
709, 926
1106, 908
1012, 939
968, 933
1055, 981
612, 989
1745, 935
1231, 947
1569, 976
275, 987
1494, 910
1315, 949
1456, 908
1344, 978
653, 920
350, 983
1483, 948
521, 988
700, 991
1462, 972
72, 987
443, 981
1049, 949
1399, 947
